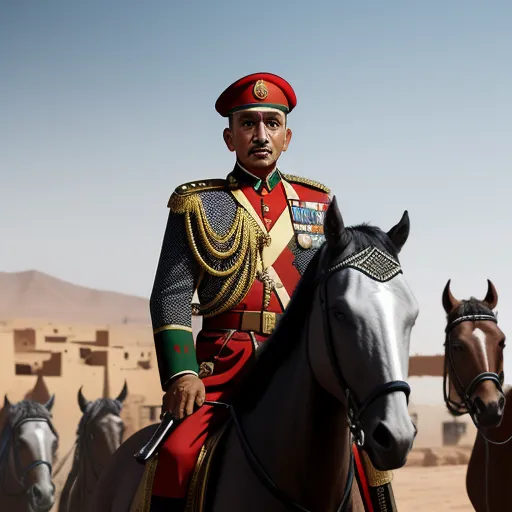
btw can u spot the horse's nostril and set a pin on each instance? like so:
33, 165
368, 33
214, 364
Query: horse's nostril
382, 436
502, 402
479, 406
37, 493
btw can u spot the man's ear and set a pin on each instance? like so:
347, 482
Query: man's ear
287, 138
227, 134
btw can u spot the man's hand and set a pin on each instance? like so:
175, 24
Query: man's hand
183, 393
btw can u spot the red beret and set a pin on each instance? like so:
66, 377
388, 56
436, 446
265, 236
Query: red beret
257, 90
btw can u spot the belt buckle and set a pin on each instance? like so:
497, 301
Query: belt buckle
268, 322
250, 321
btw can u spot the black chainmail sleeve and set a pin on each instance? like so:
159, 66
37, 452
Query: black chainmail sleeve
176, 278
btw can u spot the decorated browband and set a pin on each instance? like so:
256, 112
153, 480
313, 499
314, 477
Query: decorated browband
372, 262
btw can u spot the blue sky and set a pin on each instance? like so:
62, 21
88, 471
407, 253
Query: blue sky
105, 107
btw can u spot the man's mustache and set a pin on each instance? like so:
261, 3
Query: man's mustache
256, 149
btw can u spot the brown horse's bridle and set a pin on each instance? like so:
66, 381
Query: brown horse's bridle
457, 408
466, 404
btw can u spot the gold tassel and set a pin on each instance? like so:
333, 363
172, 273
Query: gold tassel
376, 478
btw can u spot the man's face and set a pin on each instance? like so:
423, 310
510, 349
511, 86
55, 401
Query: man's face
258, 138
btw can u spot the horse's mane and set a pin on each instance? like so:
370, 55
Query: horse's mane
471, 306
285, 338
364, 235
28, 409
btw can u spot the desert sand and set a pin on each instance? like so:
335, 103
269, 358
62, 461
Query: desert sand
418, 489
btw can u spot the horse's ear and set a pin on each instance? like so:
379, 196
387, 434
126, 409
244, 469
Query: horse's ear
491, 298
399, 233
334, 226
7, 403
82, 401
124, 392
449, 301
49, 405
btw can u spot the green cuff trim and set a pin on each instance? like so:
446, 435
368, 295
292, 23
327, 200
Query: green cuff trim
175, 353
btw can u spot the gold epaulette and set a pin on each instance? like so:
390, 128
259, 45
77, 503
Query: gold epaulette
307, 182
182, 193
200, 186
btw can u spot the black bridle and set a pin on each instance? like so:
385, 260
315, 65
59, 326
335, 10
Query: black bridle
355, 410
9, 436
466, 404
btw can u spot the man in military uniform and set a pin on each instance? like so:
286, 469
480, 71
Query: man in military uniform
242, 243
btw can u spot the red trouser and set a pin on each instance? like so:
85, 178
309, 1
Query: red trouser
178, 454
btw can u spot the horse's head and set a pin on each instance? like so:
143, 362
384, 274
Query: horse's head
27, 452
474, 357
367, 312
101, 427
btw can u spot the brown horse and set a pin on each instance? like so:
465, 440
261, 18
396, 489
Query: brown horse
99, 435
28, 448
474, 373
333, 368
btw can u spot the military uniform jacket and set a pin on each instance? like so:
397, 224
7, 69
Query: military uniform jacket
242, 243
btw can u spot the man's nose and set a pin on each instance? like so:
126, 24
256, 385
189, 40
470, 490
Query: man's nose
260, 134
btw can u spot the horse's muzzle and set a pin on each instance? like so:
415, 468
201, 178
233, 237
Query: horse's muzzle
42, 498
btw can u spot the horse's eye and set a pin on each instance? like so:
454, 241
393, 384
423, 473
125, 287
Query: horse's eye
502, 344
457, 347
341, 316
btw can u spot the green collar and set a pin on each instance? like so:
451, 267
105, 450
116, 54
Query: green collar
242, 175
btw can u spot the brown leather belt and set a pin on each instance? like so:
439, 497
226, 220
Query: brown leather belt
261, 322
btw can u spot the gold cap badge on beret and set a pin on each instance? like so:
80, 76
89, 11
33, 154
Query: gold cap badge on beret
260, 90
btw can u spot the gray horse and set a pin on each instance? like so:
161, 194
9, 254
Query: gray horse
28, 447
333, 370
99, 435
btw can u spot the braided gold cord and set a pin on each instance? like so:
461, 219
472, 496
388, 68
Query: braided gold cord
235, 288
206, 226
238, 223
237, 285
247, 239
199, 258
193, 204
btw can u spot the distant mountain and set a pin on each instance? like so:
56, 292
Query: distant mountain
34, 294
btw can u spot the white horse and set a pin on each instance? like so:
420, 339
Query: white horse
28, 446
340, 352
